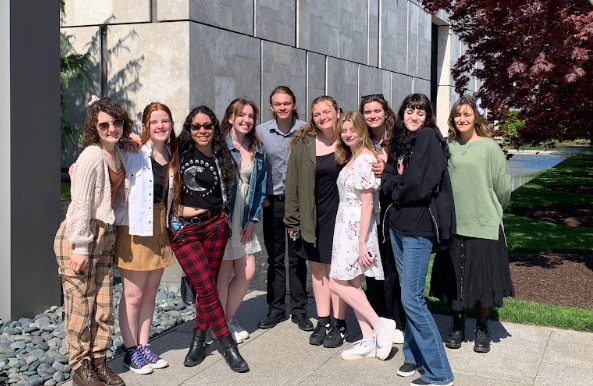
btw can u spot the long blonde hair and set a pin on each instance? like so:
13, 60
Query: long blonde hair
359, 126
310, 128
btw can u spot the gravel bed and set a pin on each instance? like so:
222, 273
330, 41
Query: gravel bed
33, 350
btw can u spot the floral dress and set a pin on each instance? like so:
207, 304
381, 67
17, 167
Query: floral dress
351, 181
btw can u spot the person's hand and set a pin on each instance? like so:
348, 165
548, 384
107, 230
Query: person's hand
247, 233
132, 144
290, 233
364, 256
265, 203
378, 167
78, 262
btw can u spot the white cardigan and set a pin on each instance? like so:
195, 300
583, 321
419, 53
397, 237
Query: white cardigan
138, 213
91, 197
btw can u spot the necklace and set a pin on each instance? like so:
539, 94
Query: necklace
464, 149
238, 146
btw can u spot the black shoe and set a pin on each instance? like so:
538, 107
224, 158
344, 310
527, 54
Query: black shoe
320, 332
302, 321
457, 334
407, 369
482, 339
197, 349
335, 337
230, 352
271, 320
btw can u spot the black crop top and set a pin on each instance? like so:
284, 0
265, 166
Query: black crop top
200, 182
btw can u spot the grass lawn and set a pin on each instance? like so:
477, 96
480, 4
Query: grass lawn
529, 235
65, 191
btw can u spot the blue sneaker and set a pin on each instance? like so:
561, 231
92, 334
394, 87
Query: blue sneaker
153, 360
134, 360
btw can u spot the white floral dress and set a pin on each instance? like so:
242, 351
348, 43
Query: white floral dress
351, 181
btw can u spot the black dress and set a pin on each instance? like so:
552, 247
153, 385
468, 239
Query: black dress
327, 200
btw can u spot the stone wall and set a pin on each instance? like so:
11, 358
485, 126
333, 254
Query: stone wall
190, 52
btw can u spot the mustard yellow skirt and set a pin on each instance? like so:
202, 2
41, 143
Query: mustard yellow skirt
138, 253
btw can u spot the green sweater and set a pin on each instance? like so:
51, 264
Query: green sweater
481, 187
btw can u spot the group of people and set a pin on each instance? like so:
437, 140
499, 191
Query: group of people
363, 193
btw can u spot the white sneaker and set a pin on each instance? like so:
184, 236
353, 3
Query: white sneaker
237, 330
398, 337
384, 338
359, 350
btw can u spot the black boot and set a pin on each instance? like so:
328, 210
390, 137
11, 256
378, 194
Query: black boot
228, 349
457, 334
197, 349
482, 339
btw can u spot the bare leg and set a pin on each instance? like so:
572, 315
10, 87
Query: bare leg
224, 282
147, 305
244, 272
319, 281
133, 284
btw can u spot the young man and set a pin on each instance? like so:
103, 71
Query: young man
276, 135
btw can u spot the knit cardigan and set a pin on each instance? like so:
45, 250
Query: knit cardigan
90, 192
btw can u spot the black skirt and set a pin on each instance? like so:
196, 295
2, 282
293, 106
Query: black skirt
474, 271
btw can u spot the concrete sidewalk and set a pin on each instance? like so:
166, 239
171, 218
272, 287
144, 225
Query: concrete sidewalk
520, 355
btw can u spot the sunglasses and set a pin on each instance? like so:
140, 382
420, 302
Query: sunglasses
197, 126
117, 123
371, 95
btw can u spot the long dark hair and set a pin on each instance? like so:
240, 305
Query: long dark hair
235, 108
219, 148
403, 139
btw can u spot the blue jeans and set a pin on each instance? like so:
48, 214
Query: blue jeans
423, 345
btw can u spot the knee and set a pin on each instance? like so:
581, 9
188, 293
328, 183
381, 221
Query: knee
132, 299
335, 287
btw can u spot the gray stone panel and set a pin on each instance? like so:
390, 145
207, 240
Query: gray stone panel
275, 21
394, 36
85, 12
148, 63
342, 83
413, 39
223, 65
83, 40
316, 79
424, 45
318, 28
234, 15
374, 81
401, 86
354, 40
282, 66
373, 59
422, 86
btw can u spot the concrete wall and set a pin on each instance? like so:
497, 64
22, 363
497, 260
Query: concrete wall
29, 164
190, 52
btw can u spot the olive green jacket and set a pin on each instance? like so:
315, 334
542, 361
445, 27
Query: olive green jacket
300, 210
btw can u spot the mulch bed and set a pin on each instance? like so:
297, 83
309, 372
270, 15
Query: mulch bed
563, 214
555, 278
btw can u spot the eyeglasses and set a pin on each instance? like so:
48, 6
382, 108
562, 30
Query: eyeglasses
371, 95
117, 123
197, 126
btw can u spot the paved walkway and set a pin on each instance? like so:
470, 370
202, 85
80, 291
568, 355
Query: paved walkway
520, 355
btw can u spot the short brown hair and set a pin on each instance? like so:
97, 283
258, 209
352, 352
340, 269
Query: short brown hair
90, 135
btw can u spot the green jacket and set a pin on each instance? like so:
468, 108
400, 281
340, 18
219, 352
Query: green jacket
300, 210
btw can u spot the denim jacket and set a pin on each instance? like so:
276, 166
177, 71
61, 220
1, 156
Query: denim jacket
257, 184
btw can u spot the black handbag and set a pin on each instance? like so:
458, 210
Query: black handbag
188, 295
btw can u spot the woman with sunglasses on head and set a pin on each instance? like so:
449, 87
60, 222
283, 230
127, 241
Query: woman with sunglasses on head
312, 200
384, 295
355, 243
85, 240
478, 259
421, 213
142, 249
245, 205
200, 228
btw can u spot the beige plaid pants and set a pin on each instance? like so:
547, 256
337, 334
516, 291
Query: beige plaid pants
88, 296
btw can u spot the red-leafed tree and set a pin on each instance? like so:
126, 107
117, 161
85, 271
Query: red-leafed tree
533, 56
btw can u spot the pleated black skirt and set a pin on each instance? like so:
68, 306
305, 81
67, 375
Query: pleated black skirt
474, 271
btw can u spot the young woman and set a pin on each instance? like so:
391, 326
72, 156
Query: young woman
84, 243
202, 229
311, 205
384, 296
420, 213
142, 249
481, 182
245, 205
355, 244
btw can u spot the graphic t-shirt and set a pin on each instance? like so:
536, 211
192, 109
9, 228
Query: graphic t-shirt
200, 182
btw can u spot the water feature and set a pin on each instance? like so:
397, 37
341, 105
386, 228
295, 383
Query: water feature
525, 167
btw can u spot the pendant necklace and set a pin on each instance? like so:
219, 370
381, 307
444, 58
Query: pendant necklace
464, 148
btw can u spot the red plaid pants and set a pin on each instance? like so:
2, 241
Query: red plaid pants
199, 249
